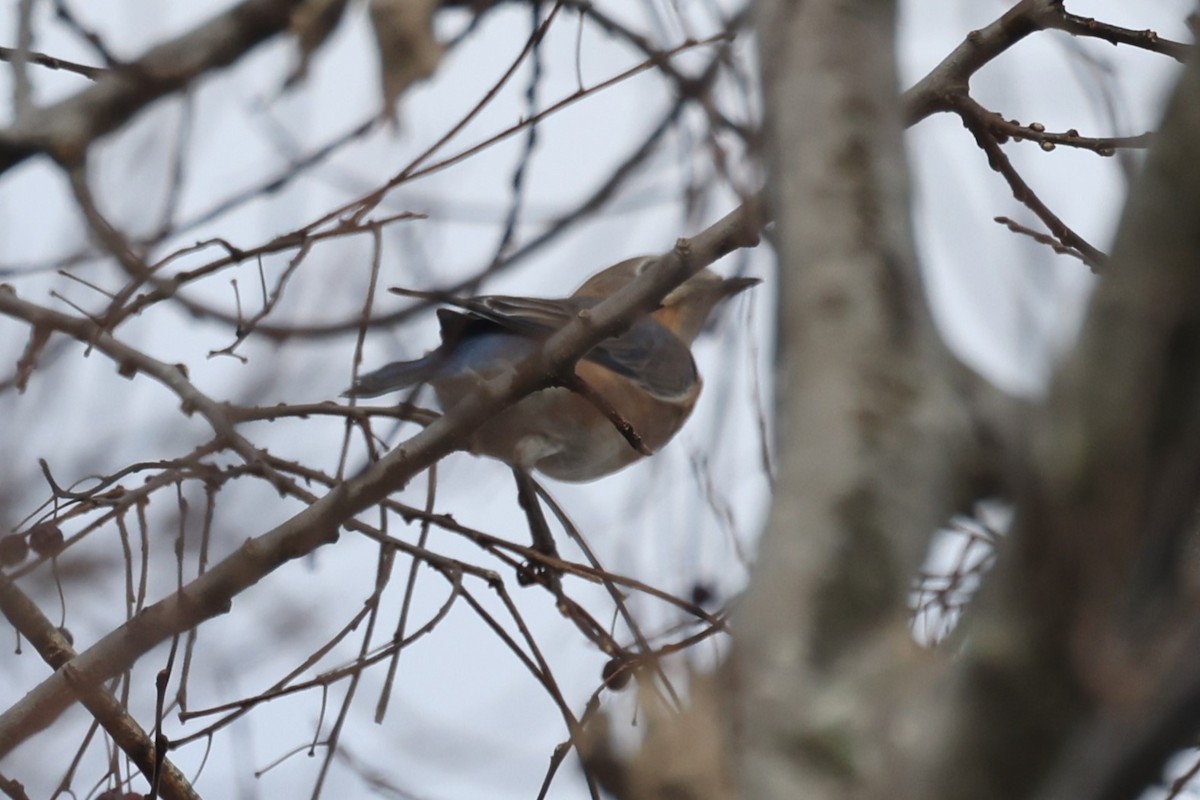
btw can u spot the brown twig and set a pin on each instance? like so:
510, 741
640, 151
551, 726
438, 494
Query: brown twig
975, 119
598, 401
51, 62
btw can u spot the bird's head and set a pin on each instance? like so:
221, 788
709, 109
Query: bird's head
685, 310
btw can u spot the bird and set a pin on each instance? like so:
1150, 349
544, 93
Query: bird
645, 377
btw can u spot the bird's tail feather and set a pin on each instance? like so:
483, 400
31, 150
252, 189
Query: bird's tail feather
389, 378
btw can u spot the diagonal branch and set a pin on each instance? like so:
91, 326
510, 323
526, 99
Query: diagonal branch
56, 651
66, 129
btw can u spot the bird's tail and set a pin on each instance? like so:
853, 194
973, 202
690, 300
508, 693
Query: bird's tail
397, 375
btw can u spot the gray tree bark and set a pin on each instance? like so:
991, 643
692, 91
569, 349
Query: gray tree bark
1078, 675
823, 660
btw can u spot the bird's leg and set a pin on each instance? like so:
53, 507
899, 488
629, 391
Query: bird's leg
582, 388
539, 529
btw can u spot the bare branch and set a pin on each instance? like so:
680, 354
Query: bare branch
66, 129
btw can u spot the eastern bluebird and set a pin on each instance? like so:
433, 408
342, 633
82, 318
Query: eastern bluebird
646, 375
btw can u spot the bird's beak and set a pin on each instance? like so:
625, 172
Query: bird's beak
733, 286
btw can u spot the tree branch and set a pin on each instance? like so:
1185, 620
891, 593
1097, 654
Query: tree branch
1089, 620
66, 129
212, 593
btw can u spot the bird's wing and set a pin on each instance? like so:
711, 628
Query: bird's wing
532, 316
652, 357
648, 354
529, 316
